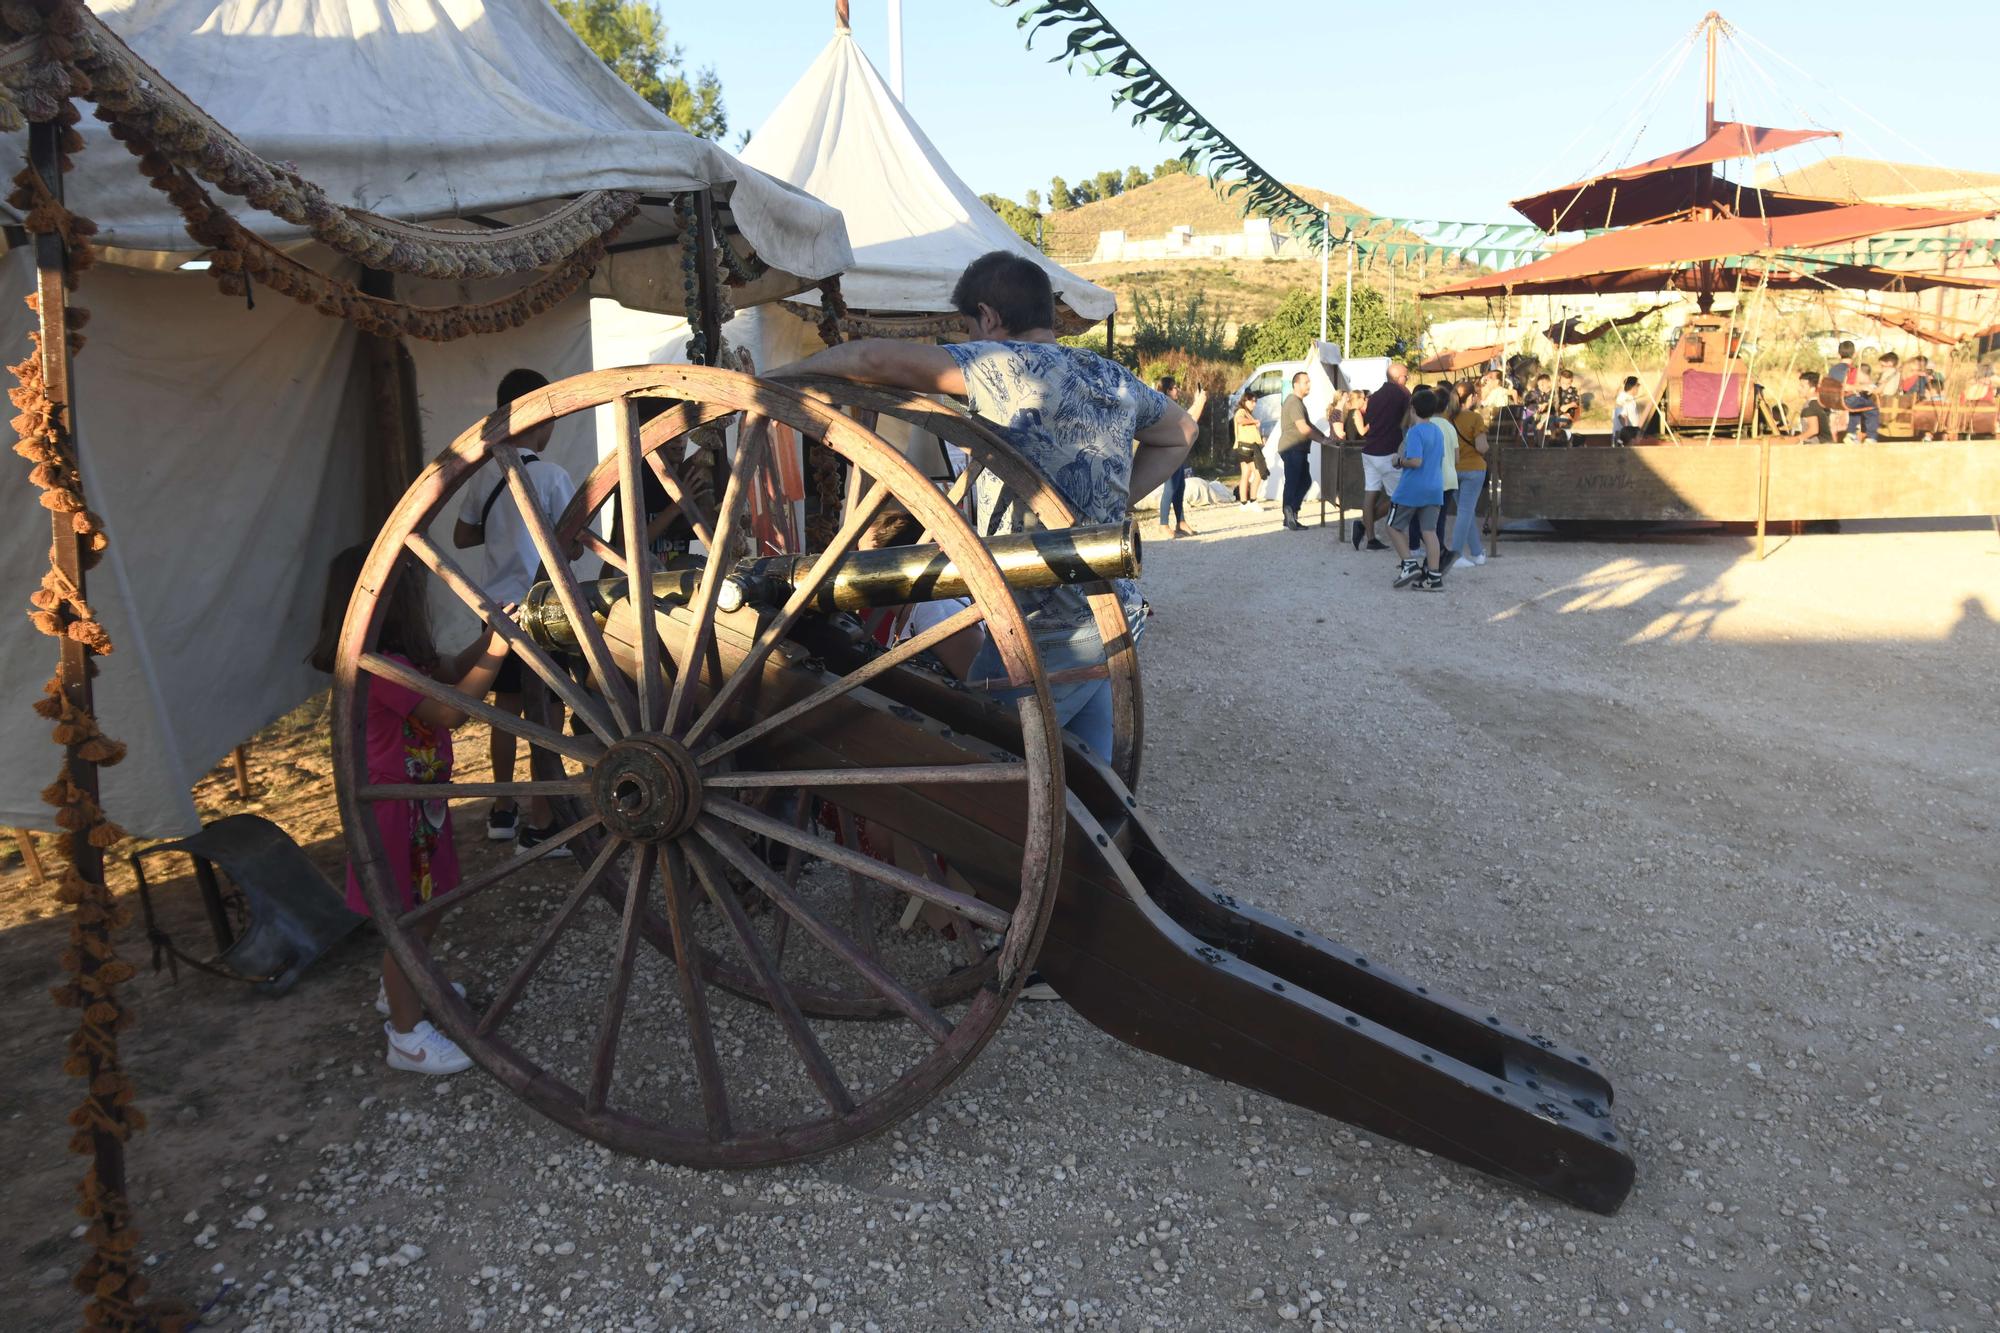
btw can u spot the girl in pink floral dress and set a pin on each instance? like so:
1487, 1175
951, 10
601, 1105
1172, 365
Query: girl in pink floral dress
409, 740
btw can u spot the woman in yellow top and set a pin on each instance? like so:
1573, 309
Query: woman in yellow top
1251, 469
1472, 446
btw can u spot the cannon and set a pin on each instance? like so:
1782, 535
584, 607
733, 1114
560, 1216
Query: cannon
811, 871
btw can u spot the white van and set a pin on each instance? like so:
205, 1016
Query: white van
1267, 386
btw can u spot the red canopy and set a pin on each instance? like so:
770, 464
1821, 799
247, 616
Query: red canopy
1668, 186
1614, 261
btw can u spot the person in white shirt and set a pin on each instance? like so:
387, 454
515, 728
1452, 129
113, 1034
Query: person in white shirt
489, 518
1628, 415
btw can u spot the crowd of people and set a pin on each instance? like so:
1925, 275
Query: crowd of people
1844, 402
1423, 463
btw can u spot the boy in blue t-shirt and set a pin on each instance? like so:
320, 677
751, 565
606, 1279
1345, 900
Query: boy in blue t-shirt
1419, 495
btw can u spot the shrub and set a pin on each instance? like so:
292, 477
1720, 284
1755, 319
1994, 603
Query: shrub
1177, 322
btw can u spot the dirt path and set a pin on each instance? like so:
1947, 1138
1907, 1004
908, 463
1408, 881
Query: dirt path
1728, 826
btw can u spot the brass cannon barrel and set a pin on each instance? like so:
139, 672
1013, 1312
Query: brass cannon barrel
889, 576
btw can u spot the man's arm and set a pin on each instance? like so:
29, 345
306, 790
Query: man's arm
1163, 447
465, 534
919, 367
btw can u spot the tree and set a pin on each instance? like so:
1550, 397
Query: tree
1059, 195
1288, 334
1034, 201
1108, 183
1173, 166
1086, 193
1135, 177
1024, 221
630, 37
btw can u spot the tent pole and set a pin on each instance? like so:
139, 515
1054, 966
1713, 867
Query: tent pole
1325, 248
896, 48
708, 308
107, 1150
395, 449
1347, 308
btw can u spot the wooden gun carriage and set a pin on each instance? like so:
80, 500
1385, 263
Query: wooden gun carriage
781, 828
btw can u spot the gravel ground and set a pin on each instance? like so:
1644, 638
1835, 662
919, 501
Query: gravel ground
1727, 826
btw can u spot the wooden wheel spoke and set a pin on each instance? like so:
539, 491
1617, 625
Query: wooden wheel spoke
670, 482
579, 748
896, 877
605, 1053
808, 587
508, 866
836, 941
638, 560
894, 657
603, 550
961, 485
819, 1066
524, 971
892, 776
795, 861
860, 896
755, 439
694, 997
555, 562
454, 577
465, 791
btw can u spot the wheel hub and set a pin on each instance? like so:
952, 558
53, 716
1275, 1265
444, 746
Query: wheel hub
647, 789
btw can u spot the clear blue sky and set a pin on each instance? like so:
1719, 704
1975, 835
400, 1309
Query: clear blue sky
1513, 98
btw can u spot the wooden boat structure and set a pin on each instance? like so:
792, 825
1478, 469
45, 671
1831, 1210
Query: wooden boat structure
1713, 449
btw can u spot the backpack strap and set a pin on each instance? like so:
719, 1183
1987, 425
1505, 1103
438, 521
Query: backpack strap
498, 491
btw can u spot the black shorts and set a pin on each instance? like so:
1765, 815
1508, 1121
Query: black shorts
509, 679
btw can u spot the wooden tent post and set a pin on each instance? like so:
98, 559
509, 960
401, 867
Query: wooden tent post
707, 296
394, 453
1763, 489
107, 1150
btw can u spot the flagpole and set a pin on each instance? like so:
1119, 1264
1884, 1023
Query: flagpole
1325, 249
1347, 313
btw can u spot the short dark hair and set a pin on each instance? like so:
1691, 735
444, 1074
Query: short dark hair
1809, 376
1539, 378
1890, 356
1569, 374
1013, 286
519, 383
1631, 381
1298, 375
1424, 403
1846, 348
1165, 384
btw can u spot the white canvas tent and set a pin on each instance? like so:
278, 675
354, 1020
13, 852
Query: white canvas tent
842, 136
220, 439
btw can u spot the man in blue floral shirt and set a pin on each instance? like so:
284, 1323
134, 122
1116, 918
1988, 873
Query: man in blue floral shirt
1071, 413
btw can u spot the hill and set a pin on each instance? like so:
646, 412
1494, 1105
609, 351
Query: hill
1170, 201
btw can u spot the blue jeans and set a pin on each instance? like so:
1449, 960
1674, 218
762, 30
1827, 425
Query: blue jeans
1082, 707
1465, 532
1173, 496
1298, 478
1867, 417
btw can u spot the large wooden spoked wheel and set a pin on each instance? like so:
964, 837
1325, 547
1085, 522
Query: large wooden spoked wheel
961, 963
988, 451
589, 980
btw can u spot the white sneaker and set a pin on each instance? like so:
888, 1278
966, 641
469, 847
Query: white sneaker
1479, 559
424, 1050
382, 996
